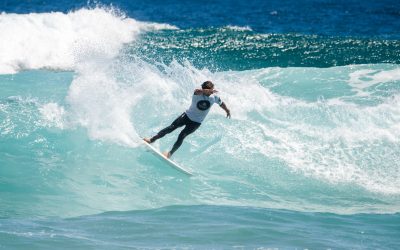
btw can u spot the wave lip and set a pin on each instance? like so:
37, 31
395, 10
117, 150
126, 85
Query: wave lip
58, 41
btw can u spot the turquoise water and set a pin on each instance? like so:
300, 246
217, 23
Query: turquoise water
215, 226
309, 160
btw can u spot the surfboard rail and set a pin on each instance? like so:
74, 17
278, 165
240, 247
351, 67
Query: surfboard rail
168, 161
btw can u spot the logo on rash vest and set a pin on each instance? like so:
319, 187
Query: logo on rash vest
203, 105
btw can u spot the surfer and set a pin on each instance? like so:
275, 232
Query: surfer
202, 101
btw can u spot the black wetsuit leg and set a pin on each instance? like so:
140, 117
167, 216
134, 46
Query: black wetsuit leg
182, 120
179, 122
191, 126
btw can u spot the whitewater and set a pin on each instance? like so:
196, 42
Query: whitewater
80, 89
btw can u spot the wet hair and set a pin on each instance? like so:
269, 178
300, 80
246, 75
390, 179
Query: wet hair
207, 85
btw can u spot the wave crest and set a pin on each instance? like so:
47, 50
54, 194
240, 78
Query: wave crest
58, 41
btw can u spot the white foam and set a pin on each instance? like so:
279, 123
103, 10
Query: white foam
332, 140
362, 79
57, 40
98, 103
53, 115
239, 28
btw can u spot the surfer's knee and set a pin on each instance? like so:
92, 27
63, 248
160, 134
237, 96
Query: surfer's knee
182, 135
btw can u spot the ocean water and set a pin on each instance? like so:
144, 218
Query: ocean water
309, 160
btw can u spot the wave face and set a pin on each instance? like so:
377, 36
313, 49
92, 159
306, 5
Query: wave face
334, 130
314, 131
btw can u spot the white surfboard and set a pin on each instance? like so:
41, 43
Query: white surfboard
168, 161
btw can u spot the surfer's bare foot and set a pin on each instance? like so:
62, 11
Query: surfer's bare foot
167, 154
147, 140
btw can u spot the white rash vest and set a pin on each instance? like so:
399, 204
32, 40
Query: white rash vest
201, 105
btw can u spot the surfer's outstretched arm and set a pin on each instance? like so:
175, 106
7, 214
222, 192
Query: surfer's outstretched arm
224, 107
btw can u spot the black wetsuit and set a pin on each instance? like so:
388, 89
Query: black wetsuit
182, 120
